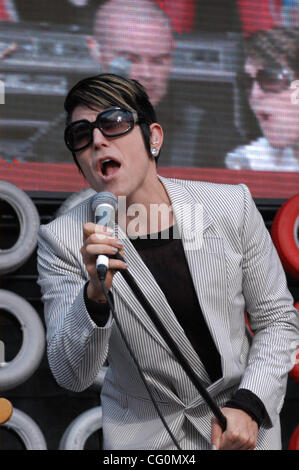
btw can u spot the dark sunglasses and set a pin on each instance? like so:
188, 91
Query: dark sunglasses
270, 80
112, 122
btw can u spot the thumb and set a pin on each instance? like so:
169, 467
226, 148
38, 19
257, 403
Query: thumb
215, 434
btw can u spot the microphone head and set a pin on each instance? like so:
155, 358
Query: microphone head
104, 198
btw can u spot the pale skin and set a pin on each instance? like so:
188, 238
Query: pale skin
240, 434
147, 45
137, 179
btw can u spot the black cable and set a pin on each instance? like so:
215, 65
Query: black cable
102, 277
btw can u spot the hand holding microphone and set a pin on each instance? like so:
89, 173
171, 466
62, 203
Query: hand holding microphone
99, 246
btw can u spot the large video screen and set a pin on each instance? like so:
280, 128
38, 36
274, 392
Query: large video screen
223, 76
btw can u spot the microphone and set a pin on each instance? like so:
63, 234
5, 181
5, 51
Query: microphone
104, 206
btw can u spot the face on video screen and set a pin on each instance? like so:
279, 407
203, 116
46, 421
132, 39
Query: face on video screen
275, 111
147, 48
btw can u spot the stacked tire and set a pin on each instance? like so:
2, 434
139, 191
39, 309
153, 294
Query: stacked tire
29, 357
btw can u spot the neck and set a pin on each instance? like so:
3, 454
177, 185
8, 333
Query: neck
147, 211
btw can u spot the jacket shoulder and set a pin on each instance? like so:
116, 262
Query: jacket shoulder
215, 193
225, 204
69, 224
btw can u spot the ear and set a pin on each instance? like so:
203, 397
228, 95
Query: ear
157, 135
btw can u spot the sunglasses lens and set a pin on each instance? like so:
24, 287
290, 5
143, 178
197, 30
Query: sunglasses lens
112, 123
271, 81
79, 135
115, 122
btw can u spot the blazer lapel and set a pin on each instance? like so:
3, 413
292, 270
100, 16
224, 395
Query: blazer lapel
146, 282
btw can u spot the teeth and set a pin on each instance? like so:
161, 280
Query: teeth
105, 161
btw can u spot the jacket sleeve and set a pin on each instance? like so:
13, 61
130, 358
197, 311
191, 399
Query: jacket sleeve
77, 347
272, 316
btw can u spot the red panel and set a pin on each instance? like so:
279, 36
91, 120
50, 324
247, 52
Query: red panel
64, 177
258, 14
180, 12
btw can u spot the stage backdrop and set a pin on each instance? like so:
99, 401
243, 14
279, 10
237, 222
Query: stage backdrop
190, 56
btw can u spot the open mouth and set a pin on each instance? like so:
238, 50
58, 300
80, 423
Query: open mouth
109, 167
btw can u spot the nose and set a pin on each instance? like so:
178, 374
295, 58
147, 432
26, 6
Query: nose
256, 91
144, 70
99, 139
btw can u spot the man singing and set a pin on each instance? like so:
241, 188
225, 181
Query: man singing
200, 291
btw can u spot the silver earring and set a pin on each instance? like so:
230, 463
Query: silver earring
154, 151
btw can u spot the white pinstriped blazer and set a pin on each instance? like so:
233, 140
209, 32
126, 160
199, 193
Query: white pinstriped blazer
236, 269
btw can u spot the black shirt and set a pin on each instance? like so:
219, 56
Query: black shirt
166, 260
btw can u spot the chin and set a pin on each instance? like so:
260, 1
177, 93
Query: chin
277, 142
280, 145
115, 189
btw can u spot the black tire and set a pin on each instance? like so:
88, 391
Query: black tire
79, 430
14, 257
25, 363
27, 429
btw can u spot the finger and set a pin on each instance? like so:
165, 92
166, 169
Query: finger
248, 440
115, 264
113, 267
103, 229
103, 238
243, 444
235, 441
100, 249
216, 434
89, 228
252, 442
229, 440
